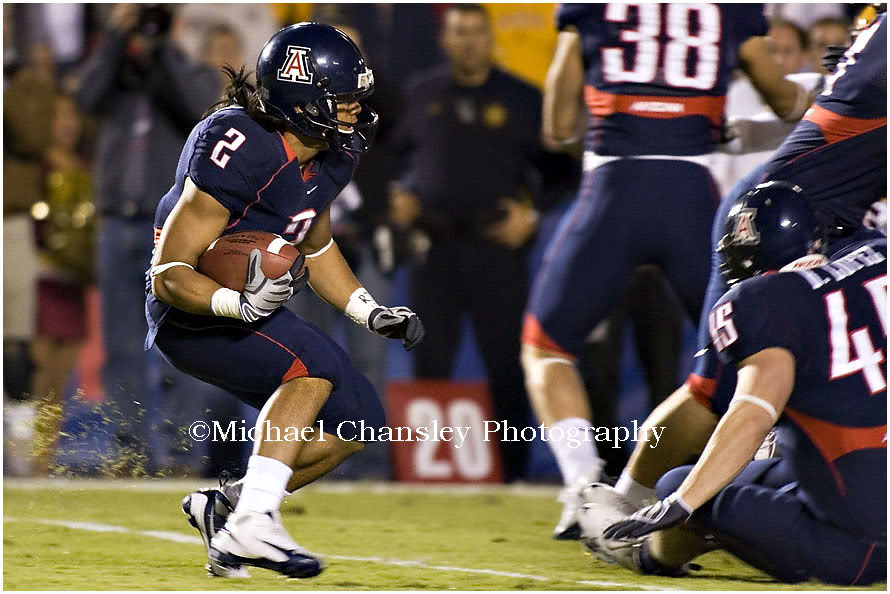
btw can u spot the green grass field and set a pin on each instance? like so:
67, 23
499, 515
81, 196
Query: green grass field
130, 535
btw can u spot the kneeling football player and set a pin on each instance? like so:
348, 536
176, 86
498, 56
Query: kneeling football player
809, 346
271, 157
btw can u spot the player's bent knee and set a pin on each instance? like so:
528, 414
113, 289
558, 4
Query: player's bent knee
535, 364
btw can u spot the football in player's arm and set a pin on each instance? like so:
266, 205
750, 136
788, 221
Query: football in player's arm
272, 158
198, 219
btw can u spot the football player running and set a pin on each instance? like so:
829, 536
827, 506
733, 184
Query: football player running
271, 157
809, 346
654, 79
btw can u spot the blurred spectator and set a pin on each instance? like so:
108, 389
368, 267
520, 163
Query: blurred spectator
471, 132
788, 45
148, 94
28, 105
65, 28
401, 37
252, 25
826, 32
222, 46
65, 222
803, 14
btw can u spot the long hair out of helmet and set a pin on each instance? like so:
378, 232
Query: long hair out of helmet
304, 72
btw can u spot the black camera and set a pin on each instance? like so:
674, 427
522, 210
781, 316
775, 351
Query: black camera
154, 20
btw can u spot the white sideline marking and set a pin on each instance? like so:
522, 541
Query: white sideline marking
374, 487
189, 539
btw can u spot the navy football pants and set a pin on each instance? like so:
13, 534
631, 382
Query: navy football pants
628, 213
760, 518
251, 361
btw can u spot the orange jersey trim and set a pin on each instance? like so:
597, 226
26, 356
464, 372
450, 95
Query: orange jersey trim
533, 334
834, 441
297, 369
601, 104
836, 127
702, 389
291, 155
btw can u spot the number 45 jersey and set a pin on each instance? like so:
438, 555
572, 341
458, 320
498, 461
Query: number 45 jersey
657, 74
834, 427
256, 176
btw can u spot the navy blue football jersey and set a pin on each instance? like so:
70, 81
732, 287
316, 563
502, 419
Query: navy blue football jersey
833, 320
838, 152
254, 174
657, 74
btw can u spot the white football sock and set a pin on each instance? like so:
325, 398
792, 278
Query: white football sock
574, 459
264, 484
633, 490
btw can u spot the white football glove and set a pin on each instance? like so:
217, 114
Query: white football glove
262, 296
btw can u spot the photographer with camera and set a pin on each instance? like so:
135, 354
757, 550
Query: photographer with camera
148, 94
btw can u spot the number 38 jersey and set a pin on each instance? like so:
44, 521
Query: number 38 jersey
833, 320
657, 74
254, 174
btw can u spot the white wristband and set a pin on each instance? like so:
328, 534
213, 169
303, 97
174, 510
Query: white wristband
155, 271
681, 502
226, 303
757, 401
359, 307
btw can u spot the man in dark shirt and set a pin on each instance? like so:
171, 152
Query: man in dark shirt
148, 96
470, 131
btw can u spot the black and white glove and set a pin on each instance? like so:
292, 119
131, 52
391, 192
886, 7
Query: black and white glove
262, 296
661, 515
398, 323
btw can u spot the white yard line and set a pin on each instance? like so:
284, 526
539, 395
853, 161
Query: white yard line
171, 485
190, 539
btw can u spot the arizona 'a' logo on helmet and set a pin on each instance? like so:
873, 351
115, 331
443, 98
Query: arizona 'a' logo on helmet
329, 70
766, 229
745, 232
296, 66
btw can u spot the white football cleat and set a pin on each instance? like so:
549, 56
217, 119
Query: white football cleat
601, 506
570, 497
259, 539
568, 528
207, 511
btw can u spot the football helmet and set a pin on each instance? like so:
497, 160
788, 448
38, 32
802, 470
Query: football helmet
767, 228
304, 71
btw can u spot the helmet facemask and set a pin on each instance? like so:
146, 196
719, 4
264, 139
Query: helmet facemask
740, 261
318, 119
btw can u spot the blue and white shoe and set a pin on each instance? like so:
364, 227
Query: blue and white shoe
207, 511
260, 540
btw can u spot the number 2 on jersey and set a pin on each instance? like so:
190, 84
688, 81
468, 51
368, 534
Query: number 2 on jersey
867, 360
220, 158
676, 52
